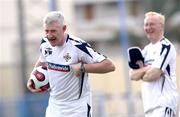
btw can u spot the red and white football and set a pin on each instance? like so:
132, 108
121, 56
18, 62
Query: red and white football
39, 77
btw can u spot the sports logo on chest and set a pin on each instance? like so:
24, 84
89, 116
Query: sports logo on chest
67, 57
47, 51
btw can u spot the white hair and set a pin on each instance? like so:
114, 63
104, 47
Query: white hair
54, 16
159, 15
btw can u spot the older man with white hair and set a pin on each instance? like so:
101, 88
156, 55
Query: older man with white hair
158, 70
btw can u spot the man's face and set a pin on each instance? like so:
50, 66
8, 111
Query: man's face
153, 28
55, 33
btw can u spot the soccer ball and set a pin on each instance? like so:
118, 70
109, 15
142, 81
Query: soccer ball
39, 77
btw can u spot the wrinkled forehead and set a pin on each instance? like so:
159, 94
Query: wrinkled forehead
51, 27
152, 19
52, 24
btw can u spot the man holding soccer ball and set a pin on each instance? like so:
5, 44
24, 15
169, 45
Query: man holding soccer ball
68, 59
157, 70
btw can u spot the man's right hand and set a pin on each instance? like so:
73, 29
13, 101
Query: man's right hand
30, 86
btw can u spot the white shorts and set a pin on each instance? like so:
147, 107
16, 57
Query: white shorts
77, 108
160, 112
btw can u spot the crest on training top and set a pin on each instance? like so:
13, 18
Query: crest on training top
48, 51
67, 57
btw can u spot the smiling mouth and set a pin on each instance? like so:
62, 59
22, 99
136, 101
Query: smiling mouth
51, 40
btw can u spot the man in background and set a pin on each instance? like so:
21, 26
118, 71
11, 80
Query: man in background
157, 71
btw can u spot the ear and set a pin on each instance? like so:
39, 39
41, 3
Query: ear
64, 28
